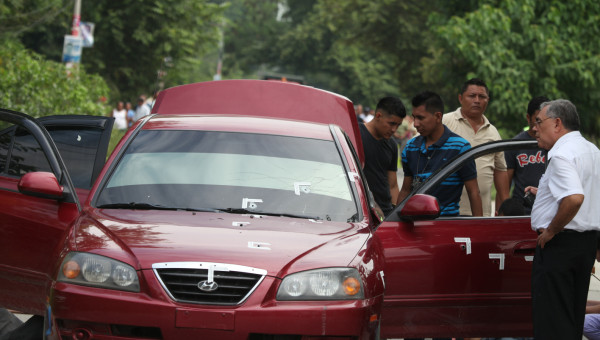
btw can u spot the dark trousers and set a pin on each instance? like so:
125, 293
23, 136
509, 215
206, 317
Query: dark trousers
559, 285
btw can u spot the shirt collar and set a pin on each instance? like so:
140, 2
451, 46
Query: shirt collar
458, 116
564, 139
438, 144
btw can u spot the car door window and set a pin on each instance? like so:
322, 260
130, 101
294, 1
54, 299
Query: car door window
5, 142
513, 206
78, 148
26, 155
81, 141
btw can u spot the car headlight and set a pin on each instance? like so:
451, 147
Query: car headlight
322, 284
98, 271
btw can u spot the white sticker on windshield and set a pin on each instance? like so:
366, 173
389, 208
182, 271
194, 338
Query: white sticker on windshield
239, 224
301, 188
251, 203
352, 176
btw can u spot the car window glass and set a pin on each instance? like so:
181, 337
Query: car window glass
370, 198
27, 155
443, 185
5, 139
77, 147
221, 170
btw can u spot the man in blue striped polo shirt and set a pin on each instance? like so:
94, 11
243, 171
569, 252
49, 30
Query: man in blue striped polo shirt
426, 153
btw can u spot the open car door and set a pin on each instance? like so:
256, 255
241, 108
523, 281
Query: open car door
456, 276
39, 196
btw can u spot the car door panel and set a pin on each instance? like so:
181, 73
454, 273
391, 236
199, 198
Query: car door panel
430, 271
31, 233
32, 229
456, 276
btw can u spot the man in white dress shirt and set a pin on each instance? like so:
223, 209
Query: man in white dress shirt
566, 216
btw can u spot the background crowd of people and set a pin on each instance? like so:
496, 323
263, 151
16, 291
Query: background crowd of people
126, 114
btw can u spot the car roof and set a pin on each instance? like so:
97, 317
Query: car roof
243, 124
262, 98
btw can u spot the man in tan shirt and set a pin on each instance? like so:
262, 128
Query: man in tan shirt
469, 122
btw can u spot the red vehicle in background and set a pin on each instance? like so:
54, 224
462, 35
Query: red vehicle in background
238, 210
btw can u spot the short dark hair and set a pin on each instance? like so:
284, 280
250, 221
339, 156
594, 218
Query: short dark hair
534, 104
565, 110
392, 106
433, 102
476, 82
512, 207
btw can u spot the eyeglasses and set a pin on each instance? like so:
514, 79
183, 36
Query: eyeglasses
538, 121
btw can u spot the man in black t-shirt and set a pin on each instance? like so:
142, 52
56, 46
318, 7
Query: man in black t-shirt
526, 167
381, 152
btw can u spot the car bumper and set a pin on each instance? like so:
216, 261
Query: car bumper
107, 314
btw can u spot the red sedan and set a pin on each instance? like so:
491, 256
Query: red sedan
238, 210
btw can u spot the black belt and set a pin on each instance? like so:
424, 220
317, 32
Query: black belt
566, 231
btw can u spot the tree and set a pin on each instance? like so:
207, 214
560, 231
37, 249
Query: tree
40, 87
133, 38
24, 15
251, 31
321, 48
364, 48
523, 49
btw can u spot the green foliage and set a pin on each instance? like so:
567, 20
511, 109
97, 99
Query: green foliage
132, 40
18, 16
115, 138
363, 49
522, 49
323, 45
366, 48
251, 30
40, 87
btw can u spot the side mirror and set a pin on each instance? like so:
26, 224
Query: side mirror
41, 184
420, 207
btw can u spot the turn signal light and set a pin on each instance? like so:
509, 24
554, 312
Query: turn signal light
71, 269
351, 286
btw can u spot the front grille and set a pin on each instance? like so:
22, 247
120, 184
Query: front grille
182, 280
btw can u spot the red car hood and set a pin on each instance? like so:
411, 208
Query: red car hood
276, 244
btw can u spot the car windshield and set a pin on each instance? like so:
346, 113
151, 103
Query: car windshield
231, 172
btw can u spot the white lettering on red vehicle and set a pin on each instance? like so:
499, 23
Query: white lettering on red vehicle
525, 159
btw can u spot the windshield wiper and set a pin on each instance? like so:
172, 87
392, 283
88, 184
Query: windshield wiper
148, 206
135, 205
246, 211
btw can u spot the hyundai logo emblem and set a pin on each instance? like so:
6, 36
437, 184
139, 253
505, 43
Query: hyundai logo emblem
207, 286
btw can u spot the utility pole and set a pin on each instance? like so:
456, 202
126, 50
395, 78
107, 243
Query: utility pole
217, 75
73, 43
76, 18
221, 27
